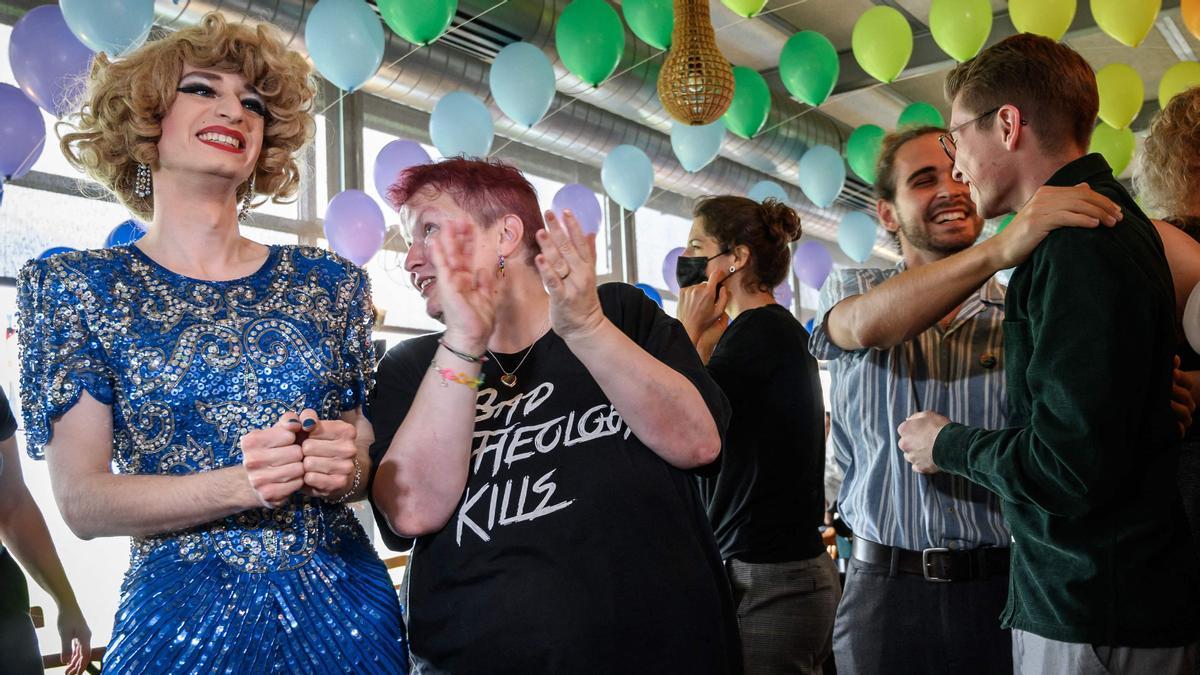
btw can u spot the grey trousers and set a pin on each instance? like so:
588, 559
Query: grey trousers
890, 623
785, 613
1036, 655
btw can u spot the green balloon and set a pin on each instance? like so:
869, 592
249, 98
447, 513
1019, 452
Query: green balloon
920, 114
882, 42
862, 150
418, 21
1004, 222
808, 66
1115, 144
590, 39
651, 20
746, 8
960, 27
751, 103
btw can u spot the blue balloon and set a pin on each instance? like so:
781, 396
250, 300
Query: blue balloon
115, 27
47, 60
461, 125
22, 133
125, 233
54, 251
651, 293
522, 83
345, 41
766, 188
627, 176
697, 146
808, 326
856, 235
822, 175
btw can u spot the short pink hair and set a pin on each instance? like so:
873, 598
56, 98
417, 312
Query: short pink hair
487, 189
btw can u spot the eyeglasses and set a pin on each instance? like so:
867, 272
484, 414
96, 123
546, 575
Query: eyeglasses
946, 140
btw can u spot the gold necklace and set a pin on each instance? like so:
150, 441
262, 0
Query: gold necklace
509, 379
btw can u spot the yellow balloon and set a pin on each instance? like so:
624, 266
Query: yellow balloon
1116, 145
1051, 18
1178, 79
1121, 94
1129, 21
882, 42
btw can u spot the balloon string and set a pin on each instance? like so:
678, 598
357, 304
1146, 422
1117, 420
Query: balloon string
573, 99
760, 14
416, 48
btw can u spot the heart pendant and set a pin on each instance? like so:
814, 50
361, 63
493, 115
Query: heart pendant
508, 380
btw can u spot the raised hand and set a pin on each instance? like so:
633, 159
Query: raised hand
330, 457
274, 462
567, 265
465, 293
1049, 209
703, 305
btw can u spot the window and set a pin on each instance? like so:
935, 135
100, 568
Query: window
657, 233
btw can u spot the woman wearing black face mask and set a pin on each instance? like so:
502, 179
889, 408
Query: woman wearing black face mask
767, 502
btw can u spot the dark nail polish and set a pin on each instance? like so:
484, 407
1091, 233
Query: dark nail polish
309, 423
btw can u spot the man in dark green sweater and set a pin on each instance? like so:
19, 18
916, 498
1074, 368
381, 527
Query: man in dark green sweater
1103, 571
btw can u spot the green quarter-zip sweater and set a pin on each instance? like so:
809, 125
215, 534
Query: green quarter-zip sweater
1086, 471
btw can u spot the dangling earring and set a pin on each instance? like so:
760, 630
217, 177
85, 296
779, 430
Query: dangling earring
141, 181
244, 212
502, 266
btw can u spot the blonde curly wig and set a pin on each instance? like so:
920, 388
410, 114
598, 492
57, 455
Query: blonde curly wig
119, 122
1167, 175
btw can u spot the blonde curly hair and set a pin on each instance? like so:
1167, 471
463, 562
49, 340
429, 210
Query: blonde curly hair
1167, 174
120, 120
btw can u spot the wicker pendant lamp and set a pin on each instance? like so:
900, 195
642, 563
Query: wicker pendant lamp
696, 82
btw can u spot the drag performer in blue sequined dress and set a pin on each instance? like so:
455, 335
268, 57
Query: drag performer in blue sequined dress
224, 380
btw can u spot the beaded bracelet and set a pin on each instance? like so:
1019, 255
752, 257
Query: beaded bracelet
450, 375
462, 355
353, 484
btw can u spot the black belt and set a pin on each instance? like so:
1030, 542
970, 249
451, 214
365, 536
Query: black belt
935, 564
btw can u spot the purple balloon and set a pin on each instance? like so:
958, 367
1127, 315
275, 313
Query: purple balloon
812, 263
48, 61
669, 264
354, 226
783, 294
22, 132
583, 203
394, 158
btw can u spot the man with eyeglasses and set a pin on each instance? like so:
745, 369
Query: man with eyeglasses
1103, 573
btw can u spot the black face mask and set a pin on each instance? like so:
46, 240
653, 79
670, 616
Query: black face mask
692, 269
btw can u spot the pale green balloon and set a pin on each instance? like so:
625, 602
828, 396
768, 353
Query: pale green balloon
1127, 21
1121, 94
746, 8
960, 27
1116, 145
1050, 18
882, 42
1178, 79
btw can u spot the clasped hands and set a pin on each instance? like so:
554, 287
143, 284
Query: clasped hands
301, 453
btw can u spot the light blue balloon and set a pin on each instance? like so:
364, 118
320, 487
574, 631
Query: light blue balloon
856, 235
345, 41
115, 27
522, 83
651, 293
697, 146
461, 125
767, 188
628, 176
822, 175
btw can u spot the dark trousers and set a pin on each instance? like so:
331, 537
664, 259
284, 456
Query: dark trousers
896, 623
19, 653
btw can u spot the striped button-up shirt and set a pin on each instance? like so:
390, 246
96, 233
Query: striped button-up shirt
958, 372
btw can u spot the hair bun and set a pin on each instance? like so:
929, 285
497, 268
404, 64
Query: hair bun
782, 221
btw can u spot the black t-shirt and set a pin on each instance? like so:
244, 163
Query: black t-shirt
575, 549
768, 500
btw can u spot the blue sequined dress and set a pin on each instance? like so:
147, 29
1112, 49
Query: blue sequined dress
189, 367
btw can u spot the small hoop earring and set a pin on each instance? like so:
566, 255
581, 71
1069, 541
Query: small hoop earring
732, 269
141, 181
244, 212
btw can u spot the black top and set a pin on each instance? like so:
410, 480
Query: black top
575, 548
8, 423
768, 500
